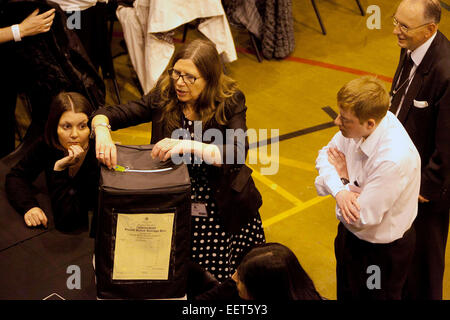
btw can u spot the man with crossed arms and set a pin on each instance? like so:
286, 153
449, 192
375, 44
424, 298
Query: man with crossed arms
372, 169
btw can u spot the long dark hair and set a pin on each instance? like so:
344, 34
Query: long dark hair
271, 271
64, 101
211, 102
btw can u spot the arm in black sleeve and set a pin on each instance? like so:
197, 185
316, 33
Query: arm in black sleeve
72, 197
69, 213
129, 114
19, 180
235, 147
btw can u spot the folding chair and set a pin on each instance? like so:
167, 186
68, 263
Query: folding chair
316, 10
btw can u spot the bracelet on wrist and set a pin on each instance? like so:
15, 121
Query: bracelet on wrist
103, 124
16, 32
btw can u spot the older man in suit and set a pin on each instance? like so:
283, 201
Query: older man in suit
420, 98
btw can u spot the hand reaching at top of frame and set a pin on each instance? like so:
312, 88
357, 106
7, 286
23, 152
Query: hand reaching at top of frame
37, 23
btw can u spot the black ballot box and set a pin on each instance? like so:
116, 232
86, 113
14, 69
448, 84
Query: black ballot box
142, 246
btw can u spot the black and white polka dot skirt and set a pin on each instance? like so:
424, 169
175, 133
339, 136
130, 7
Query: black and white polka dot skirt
217, 250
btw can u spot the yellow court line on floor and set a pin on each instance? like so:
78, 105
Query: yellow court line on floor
275, 187
298, 164
285, 161
293, 211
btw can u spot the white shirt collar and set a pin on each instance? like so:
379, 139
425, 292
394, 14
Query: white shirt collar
418, 54
368, 146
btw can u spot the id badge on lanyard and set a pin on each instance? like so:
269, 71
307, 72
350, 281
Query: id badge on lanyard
198, 209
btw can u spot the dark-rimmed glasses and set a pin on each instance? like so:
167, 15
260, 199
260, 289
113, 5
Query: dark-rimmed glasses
187, 78
404, 28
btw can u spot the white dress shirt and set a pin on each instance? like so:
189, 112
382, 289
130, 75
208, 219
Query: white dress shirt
417, 57
386, 167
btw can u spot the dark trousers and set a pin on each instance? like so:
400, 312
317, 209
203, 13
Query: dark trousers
360, 263
424, 281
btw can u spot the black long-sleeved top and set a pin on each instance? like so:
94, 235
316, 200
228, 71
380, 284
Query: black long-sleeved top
71, 197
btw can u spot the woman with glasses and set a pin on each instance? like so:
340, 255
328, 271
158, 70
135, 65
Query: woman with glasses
189, 103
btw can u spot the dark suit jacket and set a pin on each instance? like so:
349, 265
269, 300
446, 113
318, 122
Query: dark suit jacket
429, 127
237, 198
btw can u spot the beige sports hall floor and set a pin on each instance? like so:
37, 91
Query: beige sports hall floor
289, 95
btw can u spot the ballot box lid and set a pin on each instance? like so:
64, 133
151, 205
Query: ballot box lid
136, 170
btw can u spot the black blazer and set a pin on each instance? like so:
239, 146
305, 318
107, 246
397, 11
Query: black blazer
429, 127
237, 198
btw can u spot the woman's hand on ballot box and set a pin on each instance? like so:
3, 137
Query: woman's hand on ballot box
105, 149
167, 147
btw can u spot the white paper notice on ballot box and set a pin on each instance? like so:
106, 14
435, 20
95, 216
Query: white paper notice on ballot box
143, 243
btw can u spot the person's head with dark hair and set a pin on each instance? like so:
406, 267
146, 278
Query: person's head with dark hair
271, 271
67, 123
